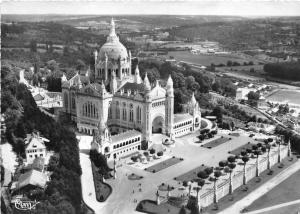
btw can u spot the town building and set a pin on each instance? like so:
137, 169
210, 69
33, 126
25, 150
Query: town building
120, 109
242, 93
35, 147
31, 180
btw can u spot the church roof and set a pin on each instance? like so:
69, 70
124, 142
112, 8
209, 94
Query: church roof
97, 86
133, 87
125, 135
70, 74
182, 117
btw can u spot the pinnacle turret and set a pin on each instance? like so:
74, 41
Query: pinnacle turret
137, 78
147, 83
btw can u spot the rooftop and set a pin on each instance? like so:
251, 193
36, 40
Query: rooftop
125, 135
182, 117
32, 177
133, 87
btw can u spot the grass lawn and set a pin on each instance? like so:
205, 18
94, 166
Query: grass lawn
235, 134
239, 193
148, 206
102, 190
190, 175
288, 190
216, 142
286, 96
163, 165
202, 59
238, 150
292, 209
203, 124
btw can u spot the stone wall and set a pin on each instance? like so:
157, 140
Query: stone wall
223, 184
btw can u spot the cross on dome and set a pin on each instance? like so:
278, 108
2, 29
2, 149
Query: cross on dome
112, 37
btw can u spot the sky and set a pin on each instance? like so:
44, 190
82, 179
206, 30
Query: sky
176, 7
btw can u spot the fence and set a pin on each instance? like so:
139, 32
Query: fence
222, 189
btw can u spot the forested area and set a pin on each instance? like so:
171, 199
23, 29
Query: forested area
286, 70
22, 116
290, 135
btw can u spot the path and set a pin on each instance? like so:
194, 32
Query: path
257, 193
275, 207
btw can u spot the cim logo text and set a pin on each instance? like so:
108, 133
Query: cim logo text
25, 205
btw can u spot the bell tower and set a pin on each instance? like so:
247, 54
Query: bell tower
169, 107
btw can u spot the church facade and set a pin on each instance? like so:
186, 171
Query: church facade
120, 109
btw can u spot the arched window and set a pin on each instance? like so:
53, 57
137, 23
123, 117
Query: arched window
73, 101
109, 113
139, 114
124, 114
66, 100
131, 113
118, 111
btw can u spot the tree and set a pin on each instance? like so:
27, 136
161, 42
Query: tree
217, 174
182, 210
231, 159
202, 175
201, 182
33, 46
231, 166
80, 65
218, 112
222, 164
195, 209
152, 151
253, 95
229, 63
257, 153
245, 159
208, 170
216, 86
52, 65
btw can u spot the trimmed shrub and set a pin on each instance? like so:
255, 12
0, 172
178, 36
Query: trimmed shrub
160, 153
152, 151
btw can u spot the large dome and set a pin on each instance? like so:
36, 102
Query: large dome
113, 48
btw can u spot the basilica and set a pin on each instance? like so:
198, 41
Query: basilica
121, 110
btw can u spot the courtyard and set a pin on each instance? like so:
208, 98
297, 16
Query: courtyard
128, 192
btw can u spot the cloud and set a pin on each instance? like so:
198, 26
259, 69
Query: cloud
180, 7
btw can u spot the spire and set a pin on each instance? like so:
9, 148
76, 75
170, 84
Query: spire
137, 78
79, 83
170, 81
95, 55
147, 83
103, 87
112, 37
112, 27
193, 99
113, 83
157, 83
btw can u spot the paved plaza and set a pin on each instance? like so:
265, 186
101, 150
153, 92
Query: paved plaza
125, 191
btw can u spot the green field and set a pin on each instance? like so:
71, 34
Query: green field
288, 190
163, 165
285, 96
205, 60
